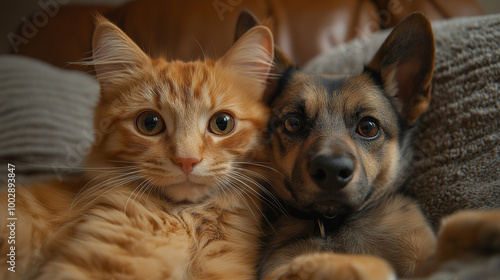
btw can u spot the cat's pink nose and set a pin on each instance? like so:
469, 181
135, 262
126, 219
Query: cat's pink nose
187, 164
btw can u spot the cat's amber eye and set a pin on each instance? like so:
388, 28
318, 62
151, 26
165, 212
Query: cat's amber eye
293, 123
368, 128
150, 123
221, 123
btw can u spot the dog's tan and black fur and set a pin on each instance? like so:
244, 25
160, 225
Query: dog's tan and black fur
343, 147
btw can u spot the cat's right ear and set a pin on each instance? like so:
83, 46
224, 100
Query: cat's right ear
115, 55
252, 57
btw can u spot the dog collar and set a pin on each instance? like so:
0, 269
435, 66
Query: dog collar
326, 224
323, 224
321, 228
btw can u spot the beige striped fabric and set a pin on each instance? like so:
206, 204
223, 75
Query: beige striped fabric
45, 116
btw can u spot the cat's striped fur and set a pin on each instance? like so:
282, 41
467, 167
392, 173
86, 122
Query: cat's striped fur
180, 204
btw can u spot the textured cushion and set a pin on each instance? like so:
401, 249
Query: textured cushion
45, 116
457, 159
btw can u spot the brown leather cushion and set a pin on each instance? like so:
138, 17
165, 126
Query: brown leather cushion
190, 29
391, 12
66, 38
185, 30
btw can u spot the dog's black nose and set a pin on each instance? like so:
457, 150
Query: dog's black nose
331, 172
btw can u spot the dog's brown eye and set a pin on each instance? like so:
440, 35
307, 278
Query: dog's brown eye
368, 128
293, 123
221, 124
150, 123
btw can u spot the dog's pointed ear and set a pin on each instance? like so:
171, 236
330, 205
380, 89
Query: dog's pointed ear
405, 64
246, 21
281, 63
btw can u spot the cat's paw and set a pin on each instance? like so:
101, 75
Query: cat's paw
466, 237
324, 266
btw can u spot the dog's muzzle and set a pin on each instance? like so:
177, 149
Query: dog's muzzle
331, 173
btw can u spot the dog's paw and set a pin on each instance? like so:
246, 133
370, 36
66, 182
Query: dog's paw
467, 237
324, 266
470, 233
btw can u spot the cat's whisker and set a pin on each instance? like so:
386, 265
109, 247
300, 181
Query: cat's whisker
145, 187
260, 211
274, 76
112, 180
120, 180
264, 178
221, 186
100, 175
151, 187
259, 164
256, 174
150, 184
269, 182
214, 49
131, 194
241, 189
114, 169
123, 161
250, 180
201, 48
275, 203
158, 189
83, 188
240, 192
116, 184
101, 169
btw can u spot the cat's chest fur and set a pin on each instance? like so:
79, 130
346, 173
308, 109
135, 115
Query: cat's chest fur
154, 239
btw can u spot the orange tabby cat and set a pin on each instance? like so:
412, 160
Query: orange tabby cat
168, 192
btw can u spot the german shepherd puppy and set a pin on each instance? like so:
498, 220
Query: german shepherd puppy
343, 147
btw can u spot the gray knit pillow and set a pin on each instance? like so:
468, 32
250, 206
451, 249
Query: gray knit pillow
45, 116
457, 160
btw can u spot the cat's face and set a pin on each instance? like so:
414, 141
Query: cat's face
182, 128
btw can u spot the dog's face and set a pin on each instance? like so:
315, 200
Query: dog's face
341, 141
335, 140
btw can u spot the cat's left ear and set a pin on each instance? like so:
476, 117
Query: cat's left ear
115, 55
252, 56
